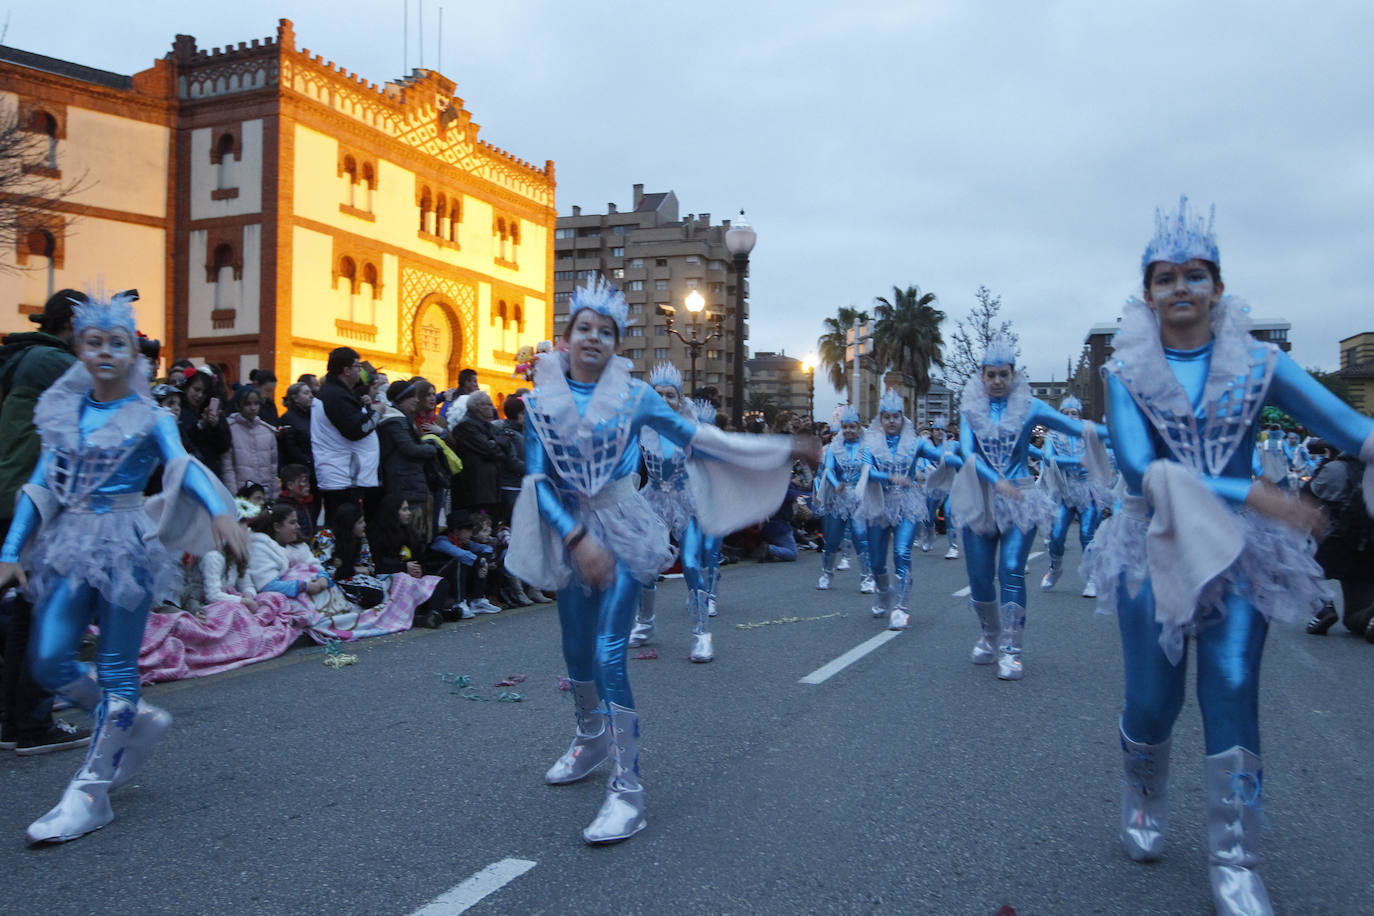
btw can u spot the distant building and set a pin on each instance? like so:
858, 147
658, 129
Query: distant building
656, 259
937, 402
1357, 370
780, 380
1050, 392
269, 206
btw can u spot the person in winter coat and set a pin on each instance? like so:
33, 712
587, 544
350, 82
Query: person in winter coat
293, 442
202, 421
29, 364
510, 432
252, 454
343, 435
479, 485
406, 462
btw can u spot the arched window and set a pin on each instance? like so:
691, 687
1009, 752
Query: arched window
348, 272
500, 313
514, 240
441, 217
223, 268
426, 211
368, 293
350, 170
40, 122
224, 178
42, 245
518, 314
455, 216
369, 179
501, 232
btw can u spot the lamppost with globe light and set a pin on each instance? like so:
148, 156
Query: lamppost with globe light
739, 241
694, 303
809, 367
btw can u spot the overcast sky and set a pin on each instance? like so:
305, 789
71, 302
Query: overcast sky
944, 144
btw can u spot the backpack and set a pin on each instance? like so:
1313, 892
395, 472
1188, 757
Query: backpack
1345, 550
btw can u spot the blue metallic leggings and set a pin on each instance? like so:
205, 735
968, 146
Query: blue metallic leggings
1063, 518
901, 538
699, 552
58, 624
596, 629
1228, 667
1004, 553
832, 531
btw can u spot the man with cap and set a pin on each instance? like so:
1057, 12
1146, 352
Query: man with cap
29, 363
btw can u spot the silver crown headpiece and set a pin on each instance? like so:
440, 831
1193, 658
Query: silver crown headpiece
604, 299
847, 414
891, 402
1070, 402
1001, 350
665, 375
1180, 236
117, 312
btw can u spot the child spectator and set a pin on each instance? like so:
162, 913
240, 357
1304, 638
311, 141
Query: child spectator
252, 455
457, 559
295, 492
253, 493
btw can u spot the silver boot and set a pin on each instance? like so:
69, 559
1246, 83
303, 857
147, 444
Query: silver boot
1233, 833
150, 724
591, 745
882, 594
85, 805
698, 608
84, 692
1051, 578
622, 813
1144, 798
990, 622
901, 614
1009, 647
712, 585
643, 630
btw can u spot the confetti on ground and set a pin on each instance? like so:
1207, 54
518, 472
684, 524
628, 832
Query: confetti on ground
563, 682
646, 655
335, 657
462, 686
511, 680
769, 623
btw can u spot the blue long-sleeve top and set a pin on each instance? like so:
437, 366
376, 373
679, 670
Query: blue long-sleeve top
667, 470
161, 445
557, 500
1018, 466
847, 470
1073, 463
1137, 443
924, 449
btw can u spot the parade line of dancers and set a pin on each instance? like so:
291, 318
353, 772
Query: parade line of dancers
1196, 548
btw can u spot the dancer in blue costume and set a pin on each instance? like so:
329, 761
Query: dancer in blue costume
838, 500
996, 503
893, 506
581, 526
1200, 549
98, 555
937, 496
668, 493
1075, 494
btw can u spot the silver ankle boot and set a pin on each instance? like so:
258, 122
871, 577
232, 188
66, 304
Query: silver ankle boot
85, 805
643, 630
985, 649
698, 608
901, 614
1009, 648
712, 586
591, 745
150, 724
1234, 780
1051, 578
622, 813
1144, 798
882, 595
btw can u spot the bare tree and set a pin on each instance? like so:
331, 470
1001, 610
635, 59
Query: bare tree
970, 340
31, 184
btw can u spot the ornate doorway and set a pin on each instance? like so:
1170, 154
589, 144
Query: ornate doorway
437, 344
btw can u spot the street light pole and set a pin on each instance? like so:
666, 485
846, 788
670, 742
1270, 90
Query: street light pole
695, 303
809, 364
739, 241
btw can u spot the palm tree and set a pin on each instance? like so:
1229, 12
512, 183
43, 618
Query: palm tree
907, 337
832, 344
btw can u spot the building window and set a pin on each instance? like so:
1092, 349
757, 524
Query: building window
617, 273
224, 172
223, 269
44, 124
660, 331
635, 354
660, 352
619, 230
369, 186
693, 260
617, 252
637, 263
563, 274
660, 262
564, 233
589, 232
660, 284
560, 298
693, 283
637, 309
635, 286
716, 265
40, 245
713, 354
426, 212
634, 332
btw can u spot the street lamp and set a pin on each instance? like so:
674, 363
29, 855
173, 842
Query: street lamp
694, 303
809, 367
739, 241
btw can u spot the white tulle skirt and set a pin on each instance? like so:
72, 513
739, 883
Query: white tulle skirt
1276, 572
116, 552
673, 507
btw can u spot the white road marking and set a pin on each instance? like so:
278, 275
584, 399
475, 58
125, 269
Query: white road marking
824, 672
1038, 553
487, 881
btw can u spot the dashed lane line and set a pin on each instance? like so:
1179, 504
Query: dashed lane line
486, 882
824, 672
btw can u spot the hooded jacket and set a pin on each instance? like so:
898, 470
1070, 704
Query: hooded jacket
252, 454
404, 458
29, 364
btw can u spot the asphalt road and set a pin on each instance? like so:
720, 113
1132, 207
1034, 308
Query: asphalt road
909, 782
